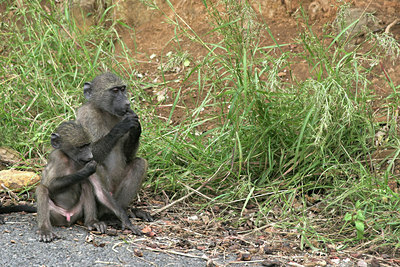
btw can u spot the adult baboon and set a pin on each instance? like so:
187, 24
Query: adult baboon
67, 191
115, 131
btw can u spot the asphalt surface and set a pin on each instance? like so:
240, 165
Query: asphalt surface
19, 246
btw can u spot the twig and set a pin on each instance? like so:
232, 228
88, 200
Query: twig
204, 257
255, 230
169, 105
73, 39
141, 258
384, 72
256, 196
10, 192
197, 192
188, 195
391, 25
193, 232
116, 245
243, 262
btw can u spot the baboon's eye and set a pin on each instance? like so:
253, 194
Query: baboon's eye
115, 90
83, 146
123, 88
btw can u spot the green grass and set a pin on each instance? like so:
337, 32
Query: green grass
274, 143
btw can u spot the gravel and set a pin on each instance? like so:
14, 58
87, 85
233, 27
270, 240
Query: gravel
20, 247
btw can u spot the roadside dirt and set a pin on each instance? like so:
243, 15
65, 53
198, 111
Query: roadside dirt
155, 39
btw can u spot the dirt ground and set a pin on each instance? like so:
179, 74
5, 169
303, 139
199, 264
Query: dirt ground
154, 39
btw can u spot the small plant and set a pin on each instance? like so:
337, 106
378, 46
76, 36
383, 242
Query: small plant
175, 62
357, 218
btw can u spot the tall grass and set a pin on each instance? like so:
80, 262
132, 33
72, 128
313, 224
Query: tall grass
292, 146
45, 61
286, 140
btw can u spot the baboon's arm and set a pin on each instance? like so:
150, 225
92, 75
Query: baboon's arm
60, 183
102, 147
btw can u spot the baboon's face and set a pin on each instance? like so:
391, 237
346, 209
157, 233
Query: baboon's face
73, 140
82, 154
108, 92
118, 101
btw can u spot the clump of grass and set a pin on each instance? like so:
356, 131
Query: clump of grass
283, 130
296, 140
44, 70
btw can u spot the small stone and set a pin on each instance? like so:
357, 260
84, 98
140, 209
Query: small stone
244, 256
271, 263
138, 253
17, 180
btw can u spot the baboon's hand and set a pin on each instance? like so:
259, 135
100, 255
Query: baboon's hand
132, 115
98, 225
46, 236
131, 120
130, 112
136, 129
131, 227
141, 214
90, 167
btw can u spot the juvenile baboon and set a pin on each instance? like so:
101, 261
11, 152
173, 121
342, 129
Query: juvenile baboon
68, 191
115, 131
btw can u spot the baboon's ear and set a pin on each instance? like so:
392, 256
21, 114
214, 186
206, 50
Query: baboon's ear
87, 90
56, 140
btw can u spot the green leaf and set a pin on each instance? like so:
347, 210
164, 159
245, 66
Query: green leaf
360, 216
186, 63
359, 226
348, 217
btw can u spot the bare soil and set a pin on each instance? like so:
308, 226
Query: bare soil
154, 39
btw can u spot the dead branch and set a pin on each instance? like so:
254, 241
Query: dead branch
391, 25
10, 192
204, 257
